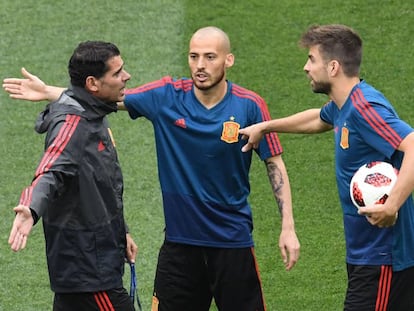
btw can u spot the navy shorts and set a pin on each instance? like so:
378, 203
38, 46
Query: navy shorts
189, 277
114, 299
378, 288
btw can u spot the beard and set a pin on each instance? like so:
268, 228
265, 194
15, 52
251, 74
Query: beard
206, 87
322, 87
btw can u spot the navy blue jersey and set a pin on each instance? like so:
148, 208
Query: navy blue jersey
204, 175
367, 128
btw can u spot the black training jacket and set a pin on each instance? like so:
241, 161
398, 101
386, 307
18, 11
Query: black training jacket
77, 191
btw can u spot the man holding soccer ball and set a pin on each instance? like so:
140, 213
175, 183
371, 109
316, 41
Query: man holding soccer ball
379, 245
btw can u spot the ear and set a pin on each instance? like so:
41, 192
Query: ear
91, 84
334, 67
229, 60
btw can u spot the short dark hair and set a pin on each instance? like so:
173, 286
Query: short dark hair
337, 42
90, 59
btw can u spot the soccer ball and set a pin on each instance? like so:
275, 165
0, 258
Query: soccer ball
372, 183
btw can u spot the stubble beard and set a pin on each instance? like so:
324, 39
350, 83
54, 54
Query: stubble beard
215, 82
322, 88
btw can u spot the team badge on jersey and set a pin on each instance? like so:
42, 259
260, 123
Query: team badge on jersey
230, 133
344, 137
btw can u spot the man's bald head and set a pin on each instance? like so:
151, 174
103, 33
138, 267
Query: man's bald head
211, 32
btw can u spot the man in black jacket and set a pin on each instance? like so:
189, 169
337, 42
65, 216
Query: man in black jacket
78, 185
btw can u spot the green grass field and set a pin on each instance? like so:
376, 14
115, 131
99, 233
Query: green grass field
153, 37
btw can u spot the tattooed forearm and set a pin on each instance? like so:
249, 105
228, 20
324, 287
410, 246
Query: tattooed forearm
277, 182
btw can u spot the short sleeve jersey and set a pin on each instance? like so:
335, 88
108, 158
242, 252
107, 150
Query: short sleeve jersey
203, 173
367, 128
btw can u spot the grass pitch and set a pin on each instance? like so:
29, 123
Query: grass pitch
153, 38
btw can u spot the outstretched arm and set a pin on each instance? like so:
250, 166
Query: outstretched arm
305, 122
288, 241
31, 88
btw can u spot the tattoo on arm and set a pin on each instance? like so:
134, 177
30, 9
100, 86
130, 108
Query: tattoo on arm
277, 182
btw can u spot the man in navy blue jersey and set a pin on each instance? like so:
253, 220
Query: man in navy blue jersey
380, 238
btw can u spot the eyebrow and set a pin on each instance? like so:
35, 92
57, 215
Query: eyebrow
204, 53
119, 70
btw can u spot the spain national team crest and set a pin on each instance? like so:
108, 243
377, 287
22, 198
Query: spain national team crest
344, 138
230, 132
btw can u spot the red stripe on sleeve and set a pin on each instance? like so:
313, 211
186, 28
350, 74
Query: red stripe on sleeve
51, 154
272, 139
185, 84
374, 119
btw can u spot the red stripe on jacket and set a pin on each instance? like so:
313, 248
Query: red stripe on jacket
51, 155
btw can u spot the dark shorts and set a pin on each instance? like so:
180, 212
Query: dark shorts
110, 300
189, 277
378, 288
